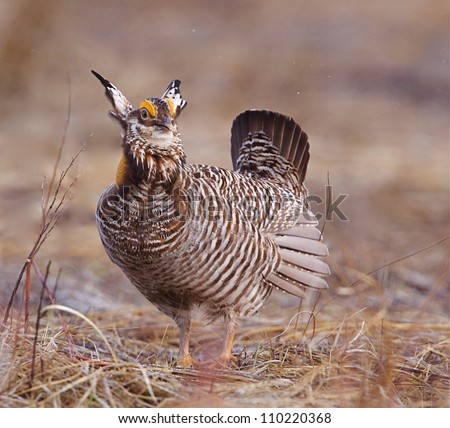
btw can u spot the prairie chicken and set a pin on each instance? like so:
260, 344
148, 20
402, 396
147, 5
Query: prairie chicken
198, 235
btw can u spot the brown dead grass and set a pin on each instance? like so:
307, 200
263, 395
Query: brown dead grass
110, 362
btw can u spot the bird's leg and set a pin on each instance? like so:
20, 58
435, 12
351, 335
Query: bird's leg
229, 332
184, 324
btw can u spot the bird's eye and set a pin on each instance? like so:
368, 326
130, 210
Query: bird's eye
147, 109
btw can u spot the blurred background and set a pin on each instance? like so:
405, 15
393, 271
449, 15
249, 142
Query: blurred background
368, 81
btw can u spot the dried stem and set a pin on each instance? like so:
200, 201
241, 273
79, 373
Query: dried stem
38, 319
52, 299
52, 204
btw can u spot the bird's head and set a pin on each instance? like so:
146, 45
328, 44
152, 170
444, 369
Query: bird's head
152, 147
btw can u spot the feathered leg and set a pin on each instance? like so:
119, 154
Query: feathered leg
184, 324
230, 329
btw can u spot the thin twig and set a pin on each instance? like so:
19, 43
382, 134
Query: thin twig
51, 203
327, 212
61, 145
55, 288
27, 295
52, 298
38, 319
399, 260
335, 294
87, 320
51, 217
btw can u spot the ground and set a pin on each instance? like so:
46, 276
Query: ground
368, 82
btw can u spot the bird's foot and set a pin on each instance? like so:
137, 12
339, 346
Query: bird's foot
223, 362
187, 362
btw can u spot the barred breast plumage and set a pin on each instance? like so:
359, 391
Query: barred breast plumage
189, 235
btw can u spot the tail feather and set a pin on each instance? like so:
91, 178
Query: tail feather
301, 266
303, 231
272, 146
291, 287
304, 261
283, 132
298, 275
303, 245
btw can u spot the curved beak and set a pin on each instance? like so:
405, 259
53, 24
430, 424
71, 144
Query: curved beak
165, 123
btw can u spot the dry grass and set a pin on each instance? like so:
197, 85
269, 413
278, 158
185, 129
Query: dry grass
109, 362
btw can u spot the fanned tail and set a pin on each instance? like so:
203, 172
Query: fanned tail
288, 143
273, 146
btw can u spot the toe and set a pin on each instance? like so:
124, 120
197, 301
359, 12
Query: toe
186, 362
224, 361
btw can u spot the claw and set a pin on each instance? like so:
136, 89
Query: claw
187, 362
224, 362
